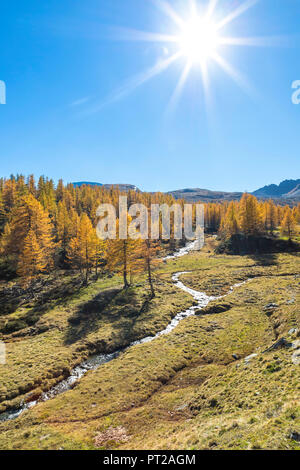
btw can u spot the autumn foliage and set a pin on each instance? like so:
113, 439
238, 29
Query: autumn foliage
45, 227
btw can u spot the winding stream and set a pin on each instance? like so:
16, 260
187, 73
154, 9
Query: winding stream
97, 360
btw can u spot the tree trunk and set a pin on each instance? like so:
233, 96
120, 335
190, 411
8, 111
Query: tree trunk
96, 269
148, 260
126, 284
150, 280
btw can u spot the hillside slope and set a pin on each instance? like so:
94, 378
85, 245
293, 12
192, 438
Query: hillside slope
196, 387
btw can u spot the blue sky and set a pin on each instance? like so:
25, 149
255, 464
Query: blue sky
64, 65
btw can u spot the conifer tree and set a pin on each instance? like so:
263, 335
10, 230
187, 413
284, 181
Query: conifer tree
3, 214
9, 194
230, 225
288, 224
81, 251
4, 240
60, 190
296, 213
122, 256
270, 216
99, 254
64, 229
31, 261
149, 251
31, 185
249, 215
30, 217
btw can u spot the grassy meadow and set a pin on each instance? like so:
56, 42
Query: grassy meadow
190, 389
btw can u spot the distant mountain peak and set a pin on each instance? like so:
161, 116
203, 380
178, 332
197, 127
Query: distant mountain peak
283, 189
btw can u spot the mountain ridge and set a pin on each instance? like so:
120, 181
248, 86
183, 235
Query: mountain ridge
283, 189
122, 187
286, 190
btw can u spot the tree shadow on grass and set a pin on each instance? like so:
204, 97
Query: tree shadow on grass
37, 299
266, 259
118, 309
40, 292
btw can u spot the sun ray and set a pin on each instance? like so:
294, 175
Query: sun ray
166, 8
198, 39
193, 8
236, 13
144, 77
242, 81
262, 41
205, 78
135, 82
127, 34
211, 8
179, 87
208, 98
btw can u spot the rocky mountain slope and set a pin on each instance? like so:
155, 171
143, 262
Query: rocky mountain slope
286, 189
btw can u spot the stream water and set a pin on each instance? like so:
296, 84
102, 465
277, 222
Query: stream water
95, 361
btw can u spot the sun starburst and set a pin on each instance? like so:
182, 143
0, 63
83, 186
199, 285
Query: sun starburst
198, 41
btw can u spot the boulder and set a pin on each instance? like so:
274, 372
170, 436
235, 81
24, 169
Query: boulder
296, 358
271, 306
295, 435
249, 358
296, 344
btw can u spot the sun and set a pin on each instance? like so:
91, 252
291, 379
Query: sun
199, 36
198, 40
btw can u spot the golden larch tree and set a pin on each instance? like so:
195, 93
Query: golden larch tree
288, 223
30, 218
31, 260
250, 217
81, 250
230, 224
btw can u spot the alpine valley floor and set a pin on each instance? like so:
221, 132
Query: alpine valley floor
226, 377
